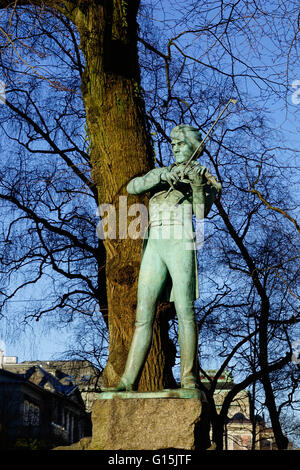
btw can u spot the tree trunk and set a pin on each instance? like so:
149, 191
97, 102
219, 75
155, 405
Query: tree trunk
281, 440
120, 150
218, 431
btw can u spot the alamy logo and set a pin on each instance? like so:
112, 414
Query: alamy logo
296, 94
162, 222
296, 351
2, 92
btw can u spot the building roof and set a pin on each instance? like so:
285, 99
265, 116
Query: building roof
225, 381
64, 388
38, 378
66, 374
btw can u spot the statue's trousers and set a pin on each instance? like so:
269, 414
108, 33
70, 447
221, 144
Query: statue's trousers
168, 253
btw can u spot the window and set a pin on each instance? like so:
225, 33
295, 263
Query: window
266, 444
241, 441
31, 414
237, 442
26, 413
35, 415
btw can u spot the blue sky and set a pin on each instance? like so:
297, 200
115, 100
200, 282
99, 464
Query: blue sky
41, 340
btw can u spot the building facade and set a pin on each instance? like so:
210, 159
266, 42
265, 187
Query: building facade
48, 404
39, 410
243, 431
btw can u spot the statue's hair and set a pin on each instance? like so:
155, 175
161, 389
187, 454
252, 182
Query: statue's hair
192, 134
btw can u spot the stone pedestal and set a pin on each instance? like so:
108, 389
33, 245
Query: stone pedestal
134, 423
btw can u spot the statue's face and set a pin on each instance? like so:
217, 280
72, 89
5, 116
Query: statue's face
182, 148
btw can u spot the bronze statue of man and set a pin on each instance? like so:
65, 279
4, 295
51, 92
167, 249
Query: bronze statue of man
168, 268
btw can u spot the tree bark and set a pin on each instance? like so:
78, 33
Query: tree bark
281, 440
120, 150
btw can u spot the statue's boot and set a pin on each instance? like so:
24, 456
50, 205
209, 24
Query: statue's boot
188, 342
139, 347
190, 383
121, 387
138, 351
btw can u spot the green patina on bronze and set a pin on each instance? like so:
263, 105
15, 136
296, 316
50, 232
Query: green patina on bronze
168, 268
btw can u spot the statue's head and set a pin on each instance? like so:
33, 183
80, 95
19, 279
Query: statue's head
185, 140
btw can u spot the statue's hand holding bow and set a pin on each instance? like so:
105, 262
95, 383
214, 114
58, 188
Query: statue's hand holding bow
196, 175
